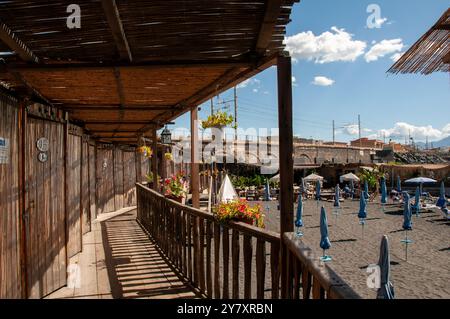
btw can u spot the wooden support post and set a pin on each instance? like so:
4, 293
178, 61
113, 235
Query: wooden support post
285, 157
195, 186
155, 160
22, 120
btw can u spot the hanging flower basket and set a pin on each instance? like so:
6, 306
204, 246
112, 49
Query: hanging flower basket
175, 187
218, 120
168, 156
146, 151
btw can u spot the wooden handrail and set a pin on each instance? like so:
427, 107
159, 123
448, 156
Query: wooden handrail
254, 231
197, 245
322, 274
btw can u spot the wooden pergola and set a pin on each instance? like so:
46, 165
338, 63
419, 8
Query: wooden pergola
134, 65
430, 53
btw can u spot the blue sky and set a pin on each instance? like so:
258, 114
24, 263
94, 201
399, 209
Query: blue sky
331, 40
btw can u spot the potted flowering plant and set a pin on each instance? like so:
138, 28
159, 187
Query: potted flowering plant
175, 187
218, 120
168, 156
239, 210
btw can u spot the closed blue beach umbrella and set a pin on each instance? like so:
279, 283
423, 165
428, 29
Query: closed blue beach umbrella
407, 225
416, 206
298, 217
267, 191
336, 197
352, 187
324, 240
442, 202
399, 184
318, 190
362, 214
366, 190
386, 290
383, 191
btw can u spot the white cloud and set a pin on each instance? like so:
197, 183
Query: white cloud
294, 81
322, 81
352, 129
248, 82
401, 129
395, 57
255, 90
337, 45
379, 22
382, 48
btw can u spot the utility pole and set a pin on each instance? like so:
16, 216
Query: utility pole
359, 130
426, 144
334, 134
212, 107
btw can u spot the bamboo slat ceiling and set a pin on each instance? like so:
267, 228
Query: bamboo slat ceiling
430, 53
135, 64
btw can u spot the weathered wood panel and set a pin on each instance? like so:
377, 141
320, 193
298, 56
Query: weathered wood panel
10, 286
92, 177
105, 179
118, 178
73, 175
45, 209
85, 198
129, 178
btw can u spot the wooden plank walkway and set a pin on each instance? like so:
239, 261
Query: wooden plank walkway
120, 261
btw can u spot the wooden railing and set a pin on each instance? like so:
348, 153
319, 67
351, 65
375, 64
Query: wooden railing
308, 277
227, 261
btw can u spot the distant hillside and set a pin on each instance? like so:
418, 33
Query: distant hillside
442, 143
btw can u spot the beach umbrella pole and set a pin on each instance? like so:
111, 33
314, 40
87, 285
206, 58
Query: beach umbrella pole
298, 232
406, 241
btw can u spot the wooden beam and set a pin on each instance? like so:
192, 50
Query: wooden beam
179, 64
284, 75
113, 17
195, 152
114, 107
120, 92
113, 122
273, 9
15, 44
30, 89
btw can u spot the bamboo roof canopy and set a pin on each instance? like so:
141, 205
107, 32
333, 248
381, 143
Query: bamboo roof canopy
135, 65
430, 53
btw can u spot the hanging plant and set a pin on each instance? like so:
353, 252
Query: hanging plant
168, 156
146, 151
218, 119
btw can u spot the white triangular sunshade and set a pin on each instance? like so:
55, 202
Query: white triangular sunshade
226, 192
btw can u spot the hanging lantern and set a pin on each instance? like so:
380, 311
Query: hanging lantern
166, 136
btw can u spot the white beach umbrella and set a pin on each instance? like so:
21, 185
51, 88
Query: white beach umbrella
275, 178
349, 177
313, 178
227, 192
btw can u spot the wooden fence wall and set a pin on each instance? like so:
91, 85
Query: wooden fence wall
9, 200
49, 202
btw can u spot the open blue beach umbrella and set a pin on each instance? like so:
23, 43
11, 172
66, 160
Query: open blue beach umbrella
362, 207
407, 225
318, 190
267, 191
336, 197
399, 184
324, 240
366, 190
386, 290
416, 206
383, 191
298, 217
442, 202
